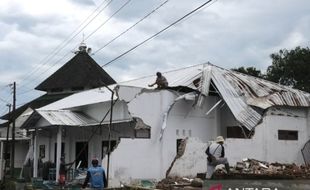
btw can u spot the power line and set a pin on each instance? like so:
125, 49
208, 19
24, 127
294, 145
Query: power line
124, 5
4, 110
67, 41
161, 31
86, 38
5, 101
150, 13
3, 87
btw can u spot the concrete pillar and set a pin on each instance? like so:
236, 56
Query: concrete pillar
58, 151
35, 155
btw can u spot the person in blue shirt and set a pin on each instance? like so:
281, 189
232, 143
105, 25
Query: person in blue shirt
96, 176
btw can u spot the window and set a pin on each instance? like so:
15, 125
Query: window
143, 133
238, 132
62, 150
287, 135
81, 154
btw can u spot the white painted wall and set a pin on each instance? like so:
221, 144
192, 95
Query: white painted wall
3, 132
150, 158
21, 149
143, 158
187, 121
226, 119
97, 111
265, 144
47, 138
133, 155
193, 160
71, 135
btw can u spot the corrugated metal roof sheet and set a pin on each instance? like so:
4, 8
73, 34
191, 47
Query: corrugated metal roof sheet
178, 77
87, 97
235, 100
263, 94
238, 90
241, 91
66, 117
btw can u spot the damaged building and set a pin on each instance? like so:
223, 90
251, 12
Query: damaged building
158, 133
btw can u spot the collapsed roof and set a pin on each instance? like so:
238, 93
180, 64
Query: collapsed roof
242, 93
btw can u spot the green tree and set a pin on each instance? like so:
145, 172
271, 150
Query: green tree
249, 71
291, 68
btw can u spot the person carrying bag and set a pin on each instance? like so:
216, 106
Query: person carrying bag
216, 156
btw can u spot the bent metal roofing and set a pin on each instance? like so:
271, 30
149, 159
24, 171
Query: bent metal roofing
240, 92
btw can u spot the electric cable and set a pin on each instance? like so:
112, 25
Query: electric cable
126, 3
156, 34
118, 10
67, 41
118, 36
5, 101
93, 133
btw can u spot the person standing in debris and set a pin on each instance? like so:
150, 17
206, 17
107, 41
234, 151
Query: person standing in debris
216, 156
96, 176
161, 81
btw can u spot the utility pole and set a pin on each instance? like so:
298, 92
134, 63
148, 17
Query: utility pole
7, 138
109, 135
13, 131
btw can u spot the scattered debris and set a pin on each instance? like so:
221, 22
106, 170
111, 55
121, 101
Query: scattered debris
170, 182
180, 183
255, 169
197, 182
245, 169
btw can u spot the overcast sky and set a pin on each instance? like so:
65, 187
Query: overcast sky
227, 33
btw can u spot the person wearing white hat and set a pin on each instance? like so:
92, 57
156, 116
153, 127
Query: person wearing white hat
216, 156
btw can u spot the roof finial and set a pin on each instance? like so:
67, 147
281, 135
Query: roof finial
82, 47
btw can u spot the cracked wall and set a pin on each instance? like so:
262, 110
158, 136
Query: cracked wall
192, 161
265, 146
132, 156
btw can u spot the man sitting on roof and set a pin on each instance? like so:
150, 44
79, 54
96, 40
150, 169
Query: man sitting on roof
161, 81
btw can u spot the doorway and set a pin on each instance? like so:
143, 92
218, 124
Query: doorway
81, 154
62, 151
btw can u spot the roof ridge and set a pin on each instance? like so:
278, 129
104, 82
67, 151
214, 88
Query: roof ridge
179, 69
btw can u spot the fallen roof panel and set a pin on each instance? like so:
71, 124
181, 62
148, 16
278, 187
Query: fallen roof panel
238, 90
